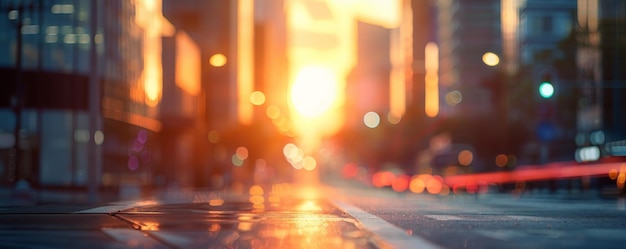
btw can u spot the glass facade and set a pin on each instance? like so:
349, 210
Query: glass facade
49, 89
55, 35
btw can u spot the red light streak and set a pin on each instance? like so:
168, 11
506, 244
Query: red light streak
558, 170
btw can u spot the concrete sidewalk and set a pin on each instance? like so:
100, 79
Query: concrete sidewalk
268, 216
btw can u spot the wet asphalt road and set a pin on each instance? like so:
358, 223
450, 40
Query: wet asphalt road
277, 216
263, 217
496, 220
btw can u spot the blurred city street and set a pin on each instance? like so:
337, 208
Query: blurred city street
327, 215
312, 124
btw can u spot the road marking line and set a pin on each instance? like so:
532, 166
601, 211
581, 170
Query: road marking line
528, 218
391, 236
445, 217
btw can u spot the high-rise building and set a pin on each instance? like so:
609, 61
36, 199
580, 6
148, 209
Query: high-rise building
600, 52
546, 36
82, 87
465, 31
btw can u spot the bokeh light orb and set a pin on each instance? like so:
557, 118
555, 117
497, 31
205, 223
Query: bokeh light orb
218, 60
371, 119
491, 59
257, 98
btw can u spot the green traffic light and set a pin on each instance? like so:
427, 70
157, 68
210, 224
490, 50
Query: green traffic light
546, 90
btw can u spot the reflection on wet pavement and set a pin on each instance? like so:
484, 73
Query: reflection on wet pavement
276, 216
249, 221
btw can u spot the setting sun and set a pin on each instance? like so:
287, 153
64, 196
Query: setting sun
314, 91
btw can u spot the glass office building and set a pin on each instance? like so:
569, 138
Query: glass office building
63, 95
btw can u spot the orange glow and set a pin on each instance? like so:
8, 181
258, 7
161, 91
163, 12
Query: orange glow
187, 64
588, 14
613, 174
218, 60
383, 179
621, 177
257, 200
451, 170
242, 153
400, 183
215, 227
309, 163
150, 226
465, 157
397, 94
257, 98
214, 136
350, 170
216, 202
401, 58
434, 185
273, 199
279, 190
150, 18
315, 100
509, 20
431, 83
272, 112
309, 206
417, 185
384, 13
394, 118
245, 59
321, 39
314, 91
256, 190
501, 160
132, 118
